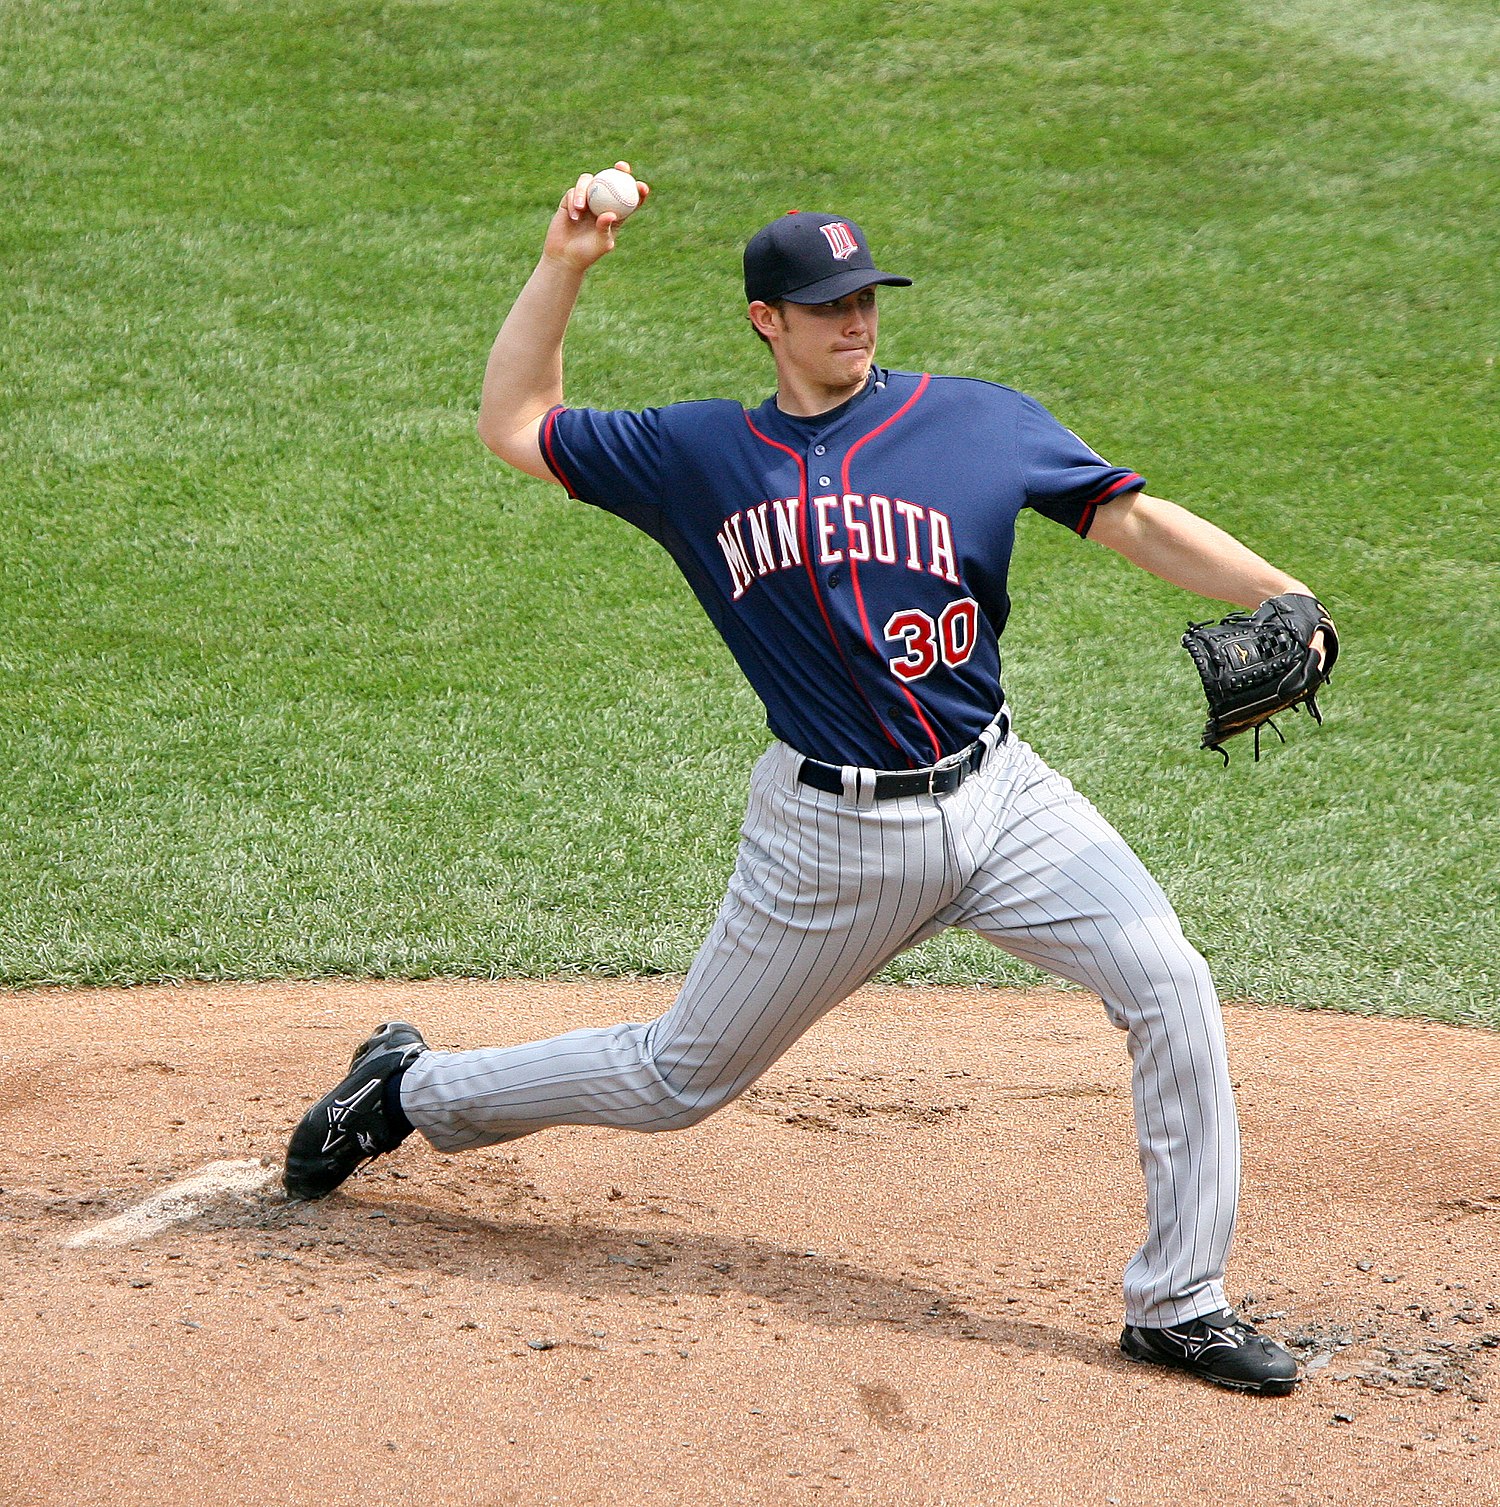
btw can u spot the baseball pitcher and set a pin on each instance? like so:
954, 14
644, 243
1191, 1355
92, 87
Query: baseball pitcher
850, 539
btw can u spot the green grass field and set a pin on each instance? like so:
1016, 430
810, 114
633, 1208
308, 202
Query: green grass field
297, 679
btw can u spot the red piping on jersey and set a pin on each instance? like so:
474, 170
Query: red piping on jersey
1113, 489
553, 464
859, 596
812, 578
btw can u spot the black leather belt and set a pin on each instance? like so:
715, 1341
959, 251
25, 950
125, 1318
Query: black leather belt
936, 779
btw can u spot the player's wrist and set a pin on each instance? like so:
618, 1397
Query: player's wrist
560, 264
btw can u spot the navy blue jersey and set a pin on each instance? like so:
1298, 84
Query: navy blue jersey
855, 563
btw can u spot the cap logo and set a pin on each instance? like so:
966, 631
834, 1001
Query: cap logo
840, 240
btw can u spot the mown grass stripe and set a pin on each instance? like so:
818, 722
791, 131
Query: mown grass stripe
1451, 47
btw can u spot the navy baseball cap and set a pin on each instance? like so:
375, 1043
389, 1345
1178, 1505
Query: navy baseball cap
807, 258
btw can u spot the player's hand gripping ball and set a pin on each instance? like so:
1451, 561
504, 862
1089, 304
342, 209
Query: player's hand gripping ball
614, 192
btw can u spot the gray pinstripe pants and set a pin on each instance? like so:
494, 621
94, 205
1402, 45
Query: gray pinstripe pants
826, 890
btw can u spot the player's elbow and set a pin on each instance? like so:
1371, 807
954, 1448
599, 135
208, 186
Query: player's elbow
493, 438
516, 447
495, 433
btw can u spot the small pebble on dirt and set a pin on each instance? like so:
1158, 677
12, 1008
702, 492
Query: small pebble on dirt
541, 1344
1342, 1418
1364, 1266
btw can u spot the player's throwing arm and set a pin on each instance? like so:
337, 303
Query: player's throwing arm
524, 377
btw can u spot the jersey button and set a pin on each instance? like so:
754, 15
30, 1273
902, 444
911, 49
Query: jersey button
834, 577
824, 481
820, 449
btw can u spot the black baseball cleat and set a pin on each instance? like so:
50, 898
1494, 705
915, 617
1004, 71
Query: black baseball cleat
349, 1126
1220, 1347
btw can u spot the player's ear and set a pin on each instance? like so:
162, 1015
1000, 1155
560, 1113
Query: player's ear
763, 318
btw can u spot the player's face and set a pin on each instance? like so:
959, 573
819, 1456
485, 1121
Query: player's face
830, 345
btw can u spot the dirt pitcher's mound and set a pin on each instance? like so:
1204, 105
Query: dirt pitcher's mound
887, 1275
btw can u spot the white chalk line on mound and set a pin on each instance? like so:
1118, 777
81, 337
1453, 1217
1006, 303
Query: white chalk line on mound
177, 1203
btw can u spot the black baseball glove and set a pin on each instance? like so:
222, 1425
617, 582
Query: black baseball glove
1257, 664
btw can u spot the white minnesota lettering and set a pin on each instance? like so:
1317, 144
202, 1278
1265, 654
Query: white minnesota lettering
852, 526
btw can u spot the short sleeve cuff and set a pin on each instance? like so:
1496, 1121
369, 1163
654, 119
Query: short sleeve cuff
549, 449
1119, 487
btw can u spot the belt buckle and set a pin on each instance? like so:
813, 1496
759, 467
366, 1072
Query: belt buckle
954, 764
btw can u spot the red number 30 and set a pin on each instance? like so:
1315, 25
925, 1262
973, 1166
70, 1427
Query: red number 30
951, 637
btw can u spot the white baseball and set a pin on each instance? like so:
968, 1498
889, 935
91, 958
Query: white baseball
613, 192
